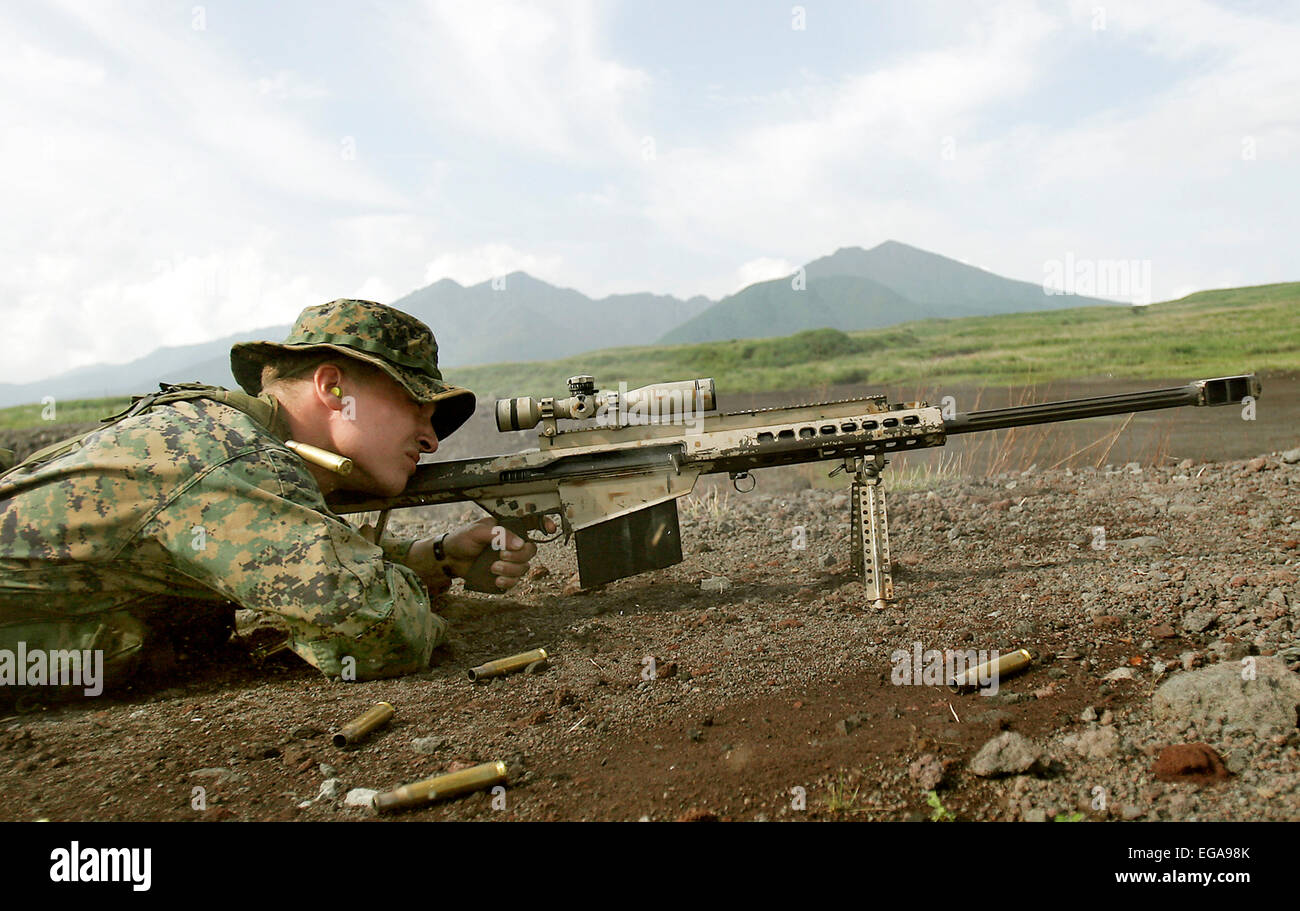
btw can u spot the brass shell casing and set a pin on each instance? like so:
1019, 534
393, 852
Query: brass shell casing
1002, 666
322, 457
507, 665
359, 727
441, 787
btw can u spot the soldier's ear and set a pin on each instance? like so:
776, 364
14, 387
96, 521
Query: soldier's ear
327, 386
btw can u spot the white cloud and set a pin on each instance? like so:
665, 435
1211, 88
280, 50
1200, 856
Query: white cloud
286, 85
531, 75
783, 184
168, 185
480, 264
761, 270
164, 198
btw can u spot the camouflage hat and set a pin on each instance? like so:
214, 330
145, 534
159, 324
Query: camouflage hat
395, 342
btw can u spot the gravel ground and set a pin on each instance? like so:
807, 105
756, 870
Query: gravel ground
777, 697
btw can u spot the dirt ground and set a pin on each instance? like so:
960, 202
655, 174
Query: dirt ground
777, 697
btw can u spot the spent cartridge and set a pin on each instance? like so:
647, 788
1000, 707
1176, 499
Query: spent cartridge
322, 457
441, 787
994, 669
359, 727
507, 665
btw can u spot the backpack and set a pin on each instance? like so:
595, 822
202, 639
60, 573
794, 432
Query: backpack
258, 409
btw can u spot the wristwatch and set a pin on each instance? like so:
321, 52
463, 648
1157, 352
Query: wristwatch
440, 554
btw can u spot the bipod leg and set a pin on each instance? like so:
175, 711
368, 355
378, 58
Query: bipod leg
870, 531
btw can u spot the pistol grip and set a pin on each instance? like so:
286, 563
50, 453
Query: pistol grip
480, 577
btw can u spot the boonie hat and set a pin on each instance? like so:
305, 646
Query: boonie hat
395, 342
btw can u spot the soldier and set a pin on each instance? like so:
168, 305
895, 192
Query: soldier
142, 537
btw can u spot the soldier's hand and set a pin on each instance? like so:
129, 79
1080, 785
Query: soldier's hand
464, 545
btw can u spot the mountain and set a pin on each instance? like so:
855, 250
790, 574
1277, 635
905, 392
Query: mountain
207, 362
855, 288
774, 308
519, 318
943, 283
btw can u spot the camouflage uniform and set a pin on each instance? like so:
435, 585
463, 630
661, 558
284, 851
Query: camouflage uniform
180, 513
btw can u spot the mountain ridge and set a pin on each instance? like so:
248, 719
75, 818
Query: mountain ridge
520, 317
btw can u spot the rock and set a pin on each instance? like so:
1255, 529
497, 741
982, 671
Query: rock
1008, 753
1129, 811
360, 797
926, 772
848, 725
1145, 543
1037, 814
1201, 619
218, 775
1291, 456
999, 718
1237, 760
1088, 715
330, 789
427, 746
1219, 694
326, 771
1100, 743
1191, 762
1229, 648
697, 815
1120, 673
715, 584
298, 757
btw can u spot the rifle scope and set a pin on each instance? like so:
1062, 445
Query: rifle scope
659, 403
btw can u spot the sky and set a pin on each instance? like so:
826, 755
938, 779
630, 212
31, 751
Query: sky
172, 173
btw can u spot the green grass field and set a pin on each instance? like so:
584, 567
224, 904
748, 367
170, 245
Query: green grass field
80, 411
1210, 333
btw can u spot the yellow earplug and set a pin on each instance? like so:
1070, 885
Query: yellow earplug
337, 391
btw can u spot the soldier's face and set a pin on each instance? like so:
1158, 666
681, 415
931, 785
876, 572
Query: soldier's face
384, 431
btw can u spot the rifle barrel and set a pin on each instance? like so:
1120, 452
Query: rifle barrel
1225, 390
